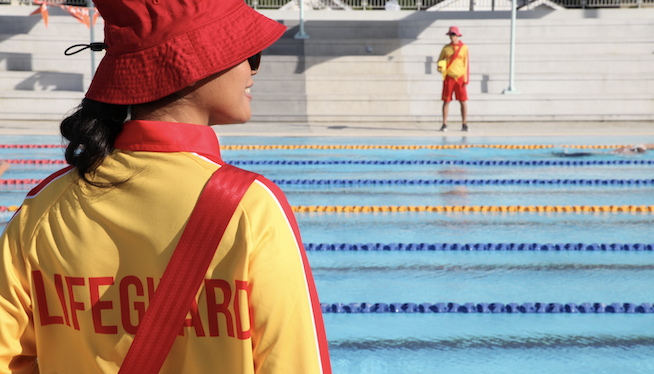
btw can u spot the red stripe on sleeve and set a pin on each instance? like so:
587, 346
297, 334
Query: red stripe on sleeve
313, 294
35, 191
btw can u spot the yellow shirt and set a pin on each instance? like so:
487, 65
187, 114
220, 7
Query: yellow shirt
459, 66
79, 265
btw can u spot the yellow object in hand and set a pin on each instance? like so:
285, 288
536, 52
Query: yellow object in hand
442, 67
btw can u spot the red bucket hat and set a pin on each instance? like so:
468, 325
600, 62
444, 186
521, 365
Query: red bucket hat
454, 30
157, 47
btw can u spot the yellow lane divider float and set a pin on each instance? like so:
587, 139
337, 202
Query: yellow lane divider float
477, 208
458, 208
411, 147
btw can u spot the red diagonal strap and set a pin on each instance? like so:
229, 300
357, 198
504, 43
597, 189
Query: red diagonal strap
455, 55
186, 270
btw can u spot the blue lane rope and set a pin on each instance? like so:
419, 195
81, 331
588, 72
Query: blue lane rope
467, 182
445, 162
637, 247
511, 308
397, 162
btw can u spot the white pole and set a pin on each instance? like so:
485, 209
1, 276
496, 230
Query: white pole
512, 89
91, 11
301, 34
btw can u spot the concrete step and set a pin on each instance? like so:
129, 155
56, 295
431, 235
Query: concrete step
498, 64
481, 107
42, 81
55, 46
479, 48
80, 63
16, 20
38, 105
432, 84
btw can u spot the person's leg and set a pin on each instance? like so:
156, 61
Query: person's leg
462, 96
3, 167
448, 87
464, 114
446, 109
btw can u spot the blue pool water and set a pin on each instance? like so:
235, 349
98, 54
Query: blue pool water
435, 343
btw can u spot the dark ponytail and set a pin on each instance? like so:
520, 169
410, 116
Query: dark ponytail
92, 131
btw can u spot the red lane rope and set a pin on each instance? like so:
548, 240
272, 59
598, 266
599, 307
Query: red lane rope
36, 162
32, 146
20, 181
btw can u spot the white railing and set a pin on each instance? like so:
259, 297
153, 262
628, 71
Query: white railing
458, 5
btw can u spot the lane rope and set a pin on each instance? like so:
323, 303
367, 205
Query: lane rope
28, 146
36, 162
445, 162
412, 147
510, 308
474, 208
363, 146
336, 247
467, 182
423, 182
392, 162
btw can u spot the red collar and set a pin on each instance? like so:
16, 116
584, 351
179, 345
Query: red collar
155, 136
460, 43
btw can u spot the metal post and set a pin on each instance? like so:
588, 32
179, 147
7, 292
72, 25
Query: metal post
301, 34
512, 89
91, 11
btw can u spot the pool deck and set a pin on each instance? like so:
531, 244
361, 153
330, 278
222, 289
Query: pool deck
388, 129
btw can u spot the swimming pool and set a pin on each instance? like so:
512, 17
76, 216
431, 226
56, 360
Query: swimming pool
452, 342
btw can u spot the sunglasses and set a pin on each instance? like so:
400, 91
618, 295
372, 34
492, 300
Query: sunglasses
255, 61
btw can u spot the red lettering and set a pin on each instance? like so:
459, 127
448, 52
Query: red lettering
241, 286
150, 289
74, 305
139, 306
97, 305
213, 308
194, 321
44, 313
59, 285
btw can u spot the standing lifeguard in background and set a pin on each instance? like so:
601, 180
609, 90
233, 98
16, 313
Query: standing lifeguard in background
453, 63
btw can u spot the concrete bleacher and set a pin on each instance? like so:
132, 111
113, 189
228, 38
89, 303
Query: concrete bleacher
381, 66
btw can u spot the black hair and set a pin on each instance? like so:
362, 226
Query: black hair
92, 131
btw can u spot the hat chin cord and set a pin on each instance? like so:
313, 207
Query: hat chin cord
95, 47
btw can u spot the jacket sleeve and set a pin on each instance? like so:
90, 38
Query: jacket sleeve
17, 339
467, 64
288, 334
442, 55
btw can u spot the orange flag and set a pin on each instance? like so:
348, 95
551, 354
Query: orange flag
81, 14
43, 9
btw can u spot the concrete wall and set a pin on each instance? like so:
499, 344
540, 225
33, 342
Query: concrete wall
381, 66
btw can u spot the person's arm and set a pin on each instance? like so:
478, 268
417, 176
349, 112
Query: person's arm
442, 57
467, 66
631, 149
17, 339
288, 334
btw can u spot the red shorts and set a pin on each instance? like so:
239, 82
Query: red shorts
451, 85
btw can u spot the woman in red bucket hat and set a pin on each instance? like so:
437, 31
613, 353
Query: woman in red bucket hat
453, 63
101, 270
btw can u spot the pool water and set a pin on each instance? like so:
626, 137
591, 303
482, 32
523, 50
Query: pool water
382, 343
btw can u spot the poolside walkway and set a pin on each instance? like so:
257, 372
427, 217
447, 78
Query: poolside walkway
416, 129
